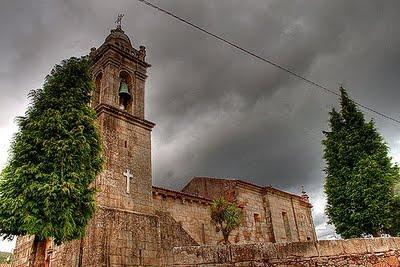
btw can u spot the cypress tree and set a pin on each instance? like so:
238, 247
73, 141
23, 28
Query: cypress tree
395, 222
45, 188
360, 176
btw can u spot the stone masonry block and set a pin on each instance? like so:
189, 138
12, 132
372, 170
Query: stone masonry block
187, 255
208, 255
216, 254
223, 254
241, 253
268, 251
354, 246
330, 247
396, 241
376, 245
391, 241
296, 249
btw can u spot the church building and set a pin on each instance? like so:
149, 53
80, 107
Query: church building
136, 223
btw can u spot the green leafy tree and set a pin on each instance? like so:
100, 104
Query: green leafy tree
395, 222
226, 216
359, 174
45, 189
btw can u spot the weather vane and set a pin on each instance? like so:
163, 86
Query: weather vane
119, 20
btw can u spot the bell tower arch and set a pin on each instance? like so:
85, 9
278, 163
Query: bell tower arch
126, 91
119, 74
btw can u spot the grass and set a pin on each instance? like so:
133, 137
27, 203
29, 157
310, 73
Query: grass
4, 256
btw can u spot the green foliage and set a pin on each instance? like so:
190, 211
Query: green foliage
226, 216
55, 156
395, 221
359, 175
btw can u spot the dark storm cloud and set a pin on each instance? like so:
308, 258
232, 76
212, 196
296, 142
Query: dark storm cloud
241, 118
219, 112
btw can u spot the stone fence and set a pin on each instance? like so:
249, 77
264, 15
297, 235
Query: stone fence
351, 252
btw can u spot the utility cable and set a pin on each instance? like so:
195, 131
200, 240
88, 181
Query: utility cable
275, 64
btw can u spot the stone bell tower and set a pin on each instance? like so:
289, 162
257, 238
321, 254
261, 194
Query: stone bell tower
119, 73
125, 230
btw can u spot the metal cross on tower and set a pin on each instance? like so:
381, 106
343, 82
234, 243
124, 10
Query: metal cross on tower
119, 20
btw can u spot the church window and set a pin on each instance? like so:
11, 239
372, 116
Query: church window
286, 226
257, 222
203, 233
126, 144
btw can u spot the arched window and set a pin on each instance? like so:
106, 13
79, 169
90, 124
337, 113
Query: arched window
125, 91
96, 93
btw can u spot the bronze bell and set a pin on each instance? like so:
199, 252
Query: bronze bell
123, 90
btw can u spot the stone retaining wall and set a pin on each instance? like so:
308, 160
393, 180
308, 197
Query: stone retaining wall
353, 252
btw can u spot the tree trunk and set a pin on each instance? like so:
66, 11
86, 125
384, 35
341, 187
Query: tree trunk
47, 251
226, 236
33, 253
80, 253
376, 234
38, 256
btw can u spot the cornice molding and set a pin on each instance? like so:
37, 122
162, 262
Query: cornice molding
182, 195
123, 115
105, 47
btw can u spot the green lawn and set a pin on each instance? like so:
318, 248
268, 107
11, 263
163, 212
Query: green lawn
4, 256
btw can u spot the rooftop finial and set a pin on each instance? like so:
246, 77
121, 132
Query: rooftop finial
303, 191
304, 194
119, 20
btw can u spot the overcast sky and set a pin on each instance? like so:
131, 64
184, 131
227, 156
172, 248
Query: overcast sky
219, 112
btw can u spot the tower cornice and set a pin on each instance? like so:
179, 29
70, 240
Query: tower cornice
123, 115
134, 56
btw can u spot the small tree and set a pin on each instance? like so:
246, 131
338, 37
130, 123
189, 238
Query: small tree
359, 174
226, 216
55, 156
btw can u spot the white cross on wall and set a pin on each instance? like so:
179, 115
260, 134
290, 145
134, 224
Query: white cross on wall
128, 176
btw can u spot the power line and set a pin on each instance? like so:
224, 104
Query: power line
246, 51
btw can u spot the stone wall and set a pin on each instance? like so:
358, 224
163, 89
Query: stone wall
211, 188
353, 252
191, 212
270, 214
172, 235
299, 225
127, 146
254, 227
114, 238
23, 250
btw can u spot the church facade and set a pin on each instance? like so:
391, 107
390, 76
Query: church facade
136, 223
